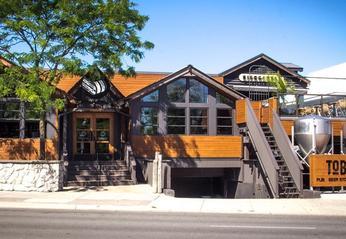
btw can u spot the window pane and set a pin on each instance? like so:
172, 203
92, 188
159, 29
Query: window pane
83, 135
9, 110
224, 112
150, 130
102, 148
176, 130
224, 130
221, 99
198, 112
176, 121
32, 129
29, 114
152, 97
198, 121
102, 135
102, 123
176, 91
149, 120
224, 121
199, 130
9, 129
198, 92
83, 148
83, 123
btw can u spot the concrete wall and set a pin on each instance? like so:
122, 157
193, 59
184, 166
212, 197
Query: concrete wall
40, 176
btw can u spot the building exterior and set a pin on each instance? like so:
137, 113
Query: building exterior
213, 140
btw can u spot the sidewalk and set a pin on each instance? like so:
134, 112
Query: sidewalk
141, 198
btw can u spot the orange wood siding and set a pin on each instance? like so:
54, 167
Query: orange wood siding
241, 111
26, 149
128, 86
287, 124
256, 106
67, 82
218, 78
188, 146
337, 127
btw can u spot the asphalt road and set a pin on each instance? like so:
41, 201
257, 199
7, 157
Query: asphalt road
52, 224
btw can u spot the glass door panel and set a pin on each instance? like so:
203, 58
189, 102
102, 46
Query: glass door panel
93, 136
84, 135
102, 135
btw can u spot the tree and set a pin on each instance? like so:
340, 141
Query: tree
280, 83
57, 35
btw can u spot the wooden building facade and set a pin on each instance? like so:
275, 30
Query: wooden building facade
213, 140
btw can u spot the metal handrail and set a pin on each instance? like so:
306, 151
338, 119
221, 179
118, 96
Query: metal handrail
287, 151
263, 150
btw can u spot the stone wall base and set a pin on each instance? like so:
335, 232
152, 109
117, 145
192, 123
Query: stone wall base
39, 176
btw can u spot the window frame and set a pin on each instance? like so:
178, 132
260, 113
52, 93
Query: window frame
224, 117
23, 130
142, 126
164, 105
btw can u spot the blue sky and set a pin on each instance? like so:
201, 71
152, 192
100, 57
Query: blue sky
214, 35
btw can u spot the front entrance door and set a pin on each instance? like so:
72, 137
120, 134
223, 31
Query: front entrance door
93, 136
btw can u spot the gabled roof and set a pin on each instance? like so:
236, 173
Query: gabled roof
188, 71
72, 90
267, 58
130, 85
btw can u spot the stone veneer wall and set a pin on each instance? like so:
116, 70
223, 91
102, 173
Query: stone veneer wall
22, 175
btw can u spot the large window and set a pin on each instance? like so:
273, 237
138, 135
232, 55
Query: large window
198, 121
176, 90
224, 121
176, 121
198, 92
11, 118
185, 106
9, 110
152, 97
149, 122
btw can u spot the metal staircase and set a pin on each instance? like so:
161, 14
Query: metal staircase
287, 186
282, 170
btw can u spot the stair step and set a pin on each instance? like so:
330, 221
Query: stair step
99, 183
98, 178
119, 163
98, 172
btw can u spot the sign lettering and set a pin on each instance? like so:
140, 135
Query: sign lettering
327, 170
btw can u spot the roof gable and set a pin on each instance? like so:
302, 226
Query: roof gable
269, 60
93, 88
188, 71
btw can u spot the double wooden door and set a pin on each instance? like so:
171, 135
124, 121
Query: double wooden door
93, 136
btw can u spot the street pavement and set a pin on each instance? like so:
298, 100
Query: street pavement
54, 224
141, 198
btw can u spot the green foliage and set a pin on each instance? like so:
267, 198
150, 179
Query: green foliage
56, 34
280, 83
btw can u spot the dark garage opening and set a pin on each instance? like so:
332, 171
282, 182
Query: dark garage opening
198, 187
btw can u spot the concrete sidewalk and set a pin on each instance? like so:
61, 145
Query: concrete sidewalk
141, 198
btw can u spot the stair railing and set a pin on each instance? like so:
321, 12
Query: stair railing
265, 155
287, 151
130, 162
